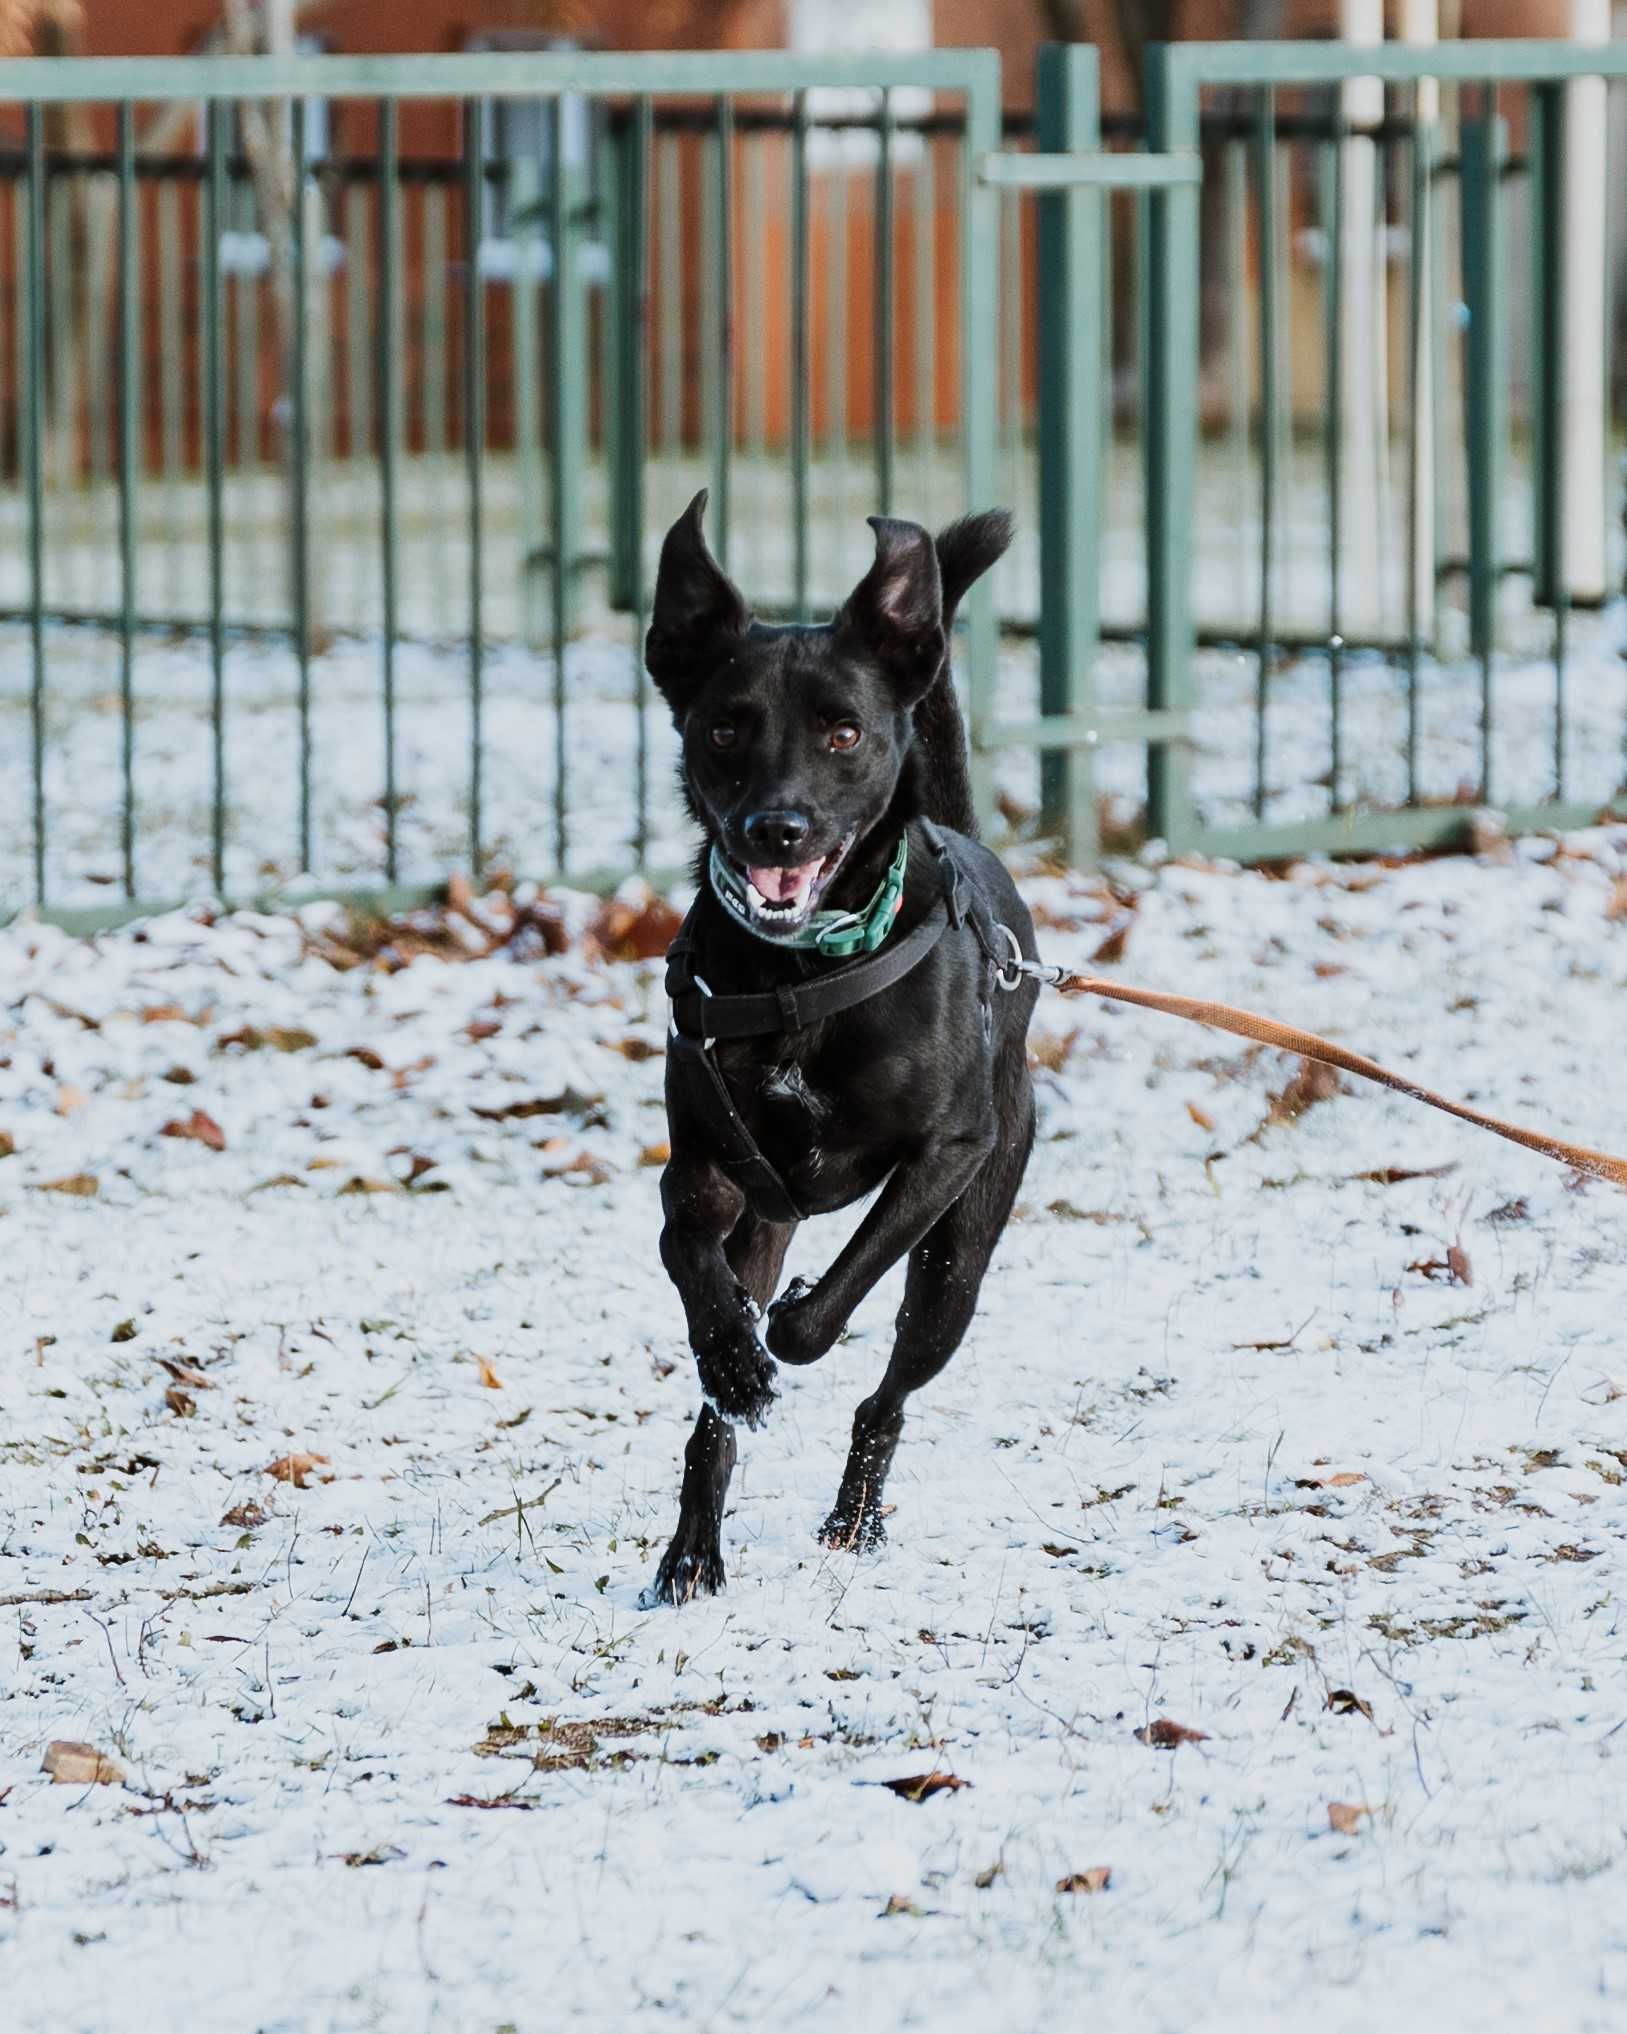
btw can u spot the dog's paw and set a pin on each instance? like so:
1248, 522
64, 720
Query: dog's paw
853, 1532
737, 1379
799, 1328
688, 1568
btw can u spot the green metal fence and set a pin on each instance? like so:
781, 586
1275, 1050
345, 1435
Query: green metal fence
499, 370
325, 533
1465, 329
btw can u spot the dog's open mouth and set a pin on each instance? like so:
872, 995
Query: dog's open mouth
782, 899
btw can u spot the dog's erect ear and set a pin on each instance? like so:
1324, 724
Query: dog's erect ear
896, 610
695, 603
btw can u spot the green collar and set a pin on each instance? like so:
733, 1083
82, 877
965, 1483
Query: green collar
837, 935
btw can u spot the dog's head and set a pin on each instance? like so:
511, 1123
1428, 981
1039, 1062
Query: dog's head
794, 738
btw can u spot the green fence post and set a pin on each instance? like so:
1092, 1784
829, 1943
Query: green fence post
979, 414
624, 422
1171, 437
34, 459
1484, 147
388, 373
1547, 239
129, 367
1070, 437
568, 361
720, 307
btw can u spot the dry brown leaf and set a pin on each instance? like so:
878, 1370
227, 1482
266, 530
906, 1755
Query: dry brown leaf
1096, 1880
635, 1048
83, 1184
627, 931
1453, 1268
358, 1183
922, 1786
180, 1402
488, 1377
484, 1801
1201, 1117
1346, 1702
1313, 1083
8, 1144
1346, 1816
1050, 1049
1112, 947
71, 1764
69, 1098
364, 1055
655, 1154
166, 1013
246, 1516
1616, 903
297, 1469
1163, 1734
200, 1128
1457, 1260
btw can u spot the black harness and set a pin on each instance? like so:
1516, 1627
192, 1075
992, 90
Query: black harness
700, 1015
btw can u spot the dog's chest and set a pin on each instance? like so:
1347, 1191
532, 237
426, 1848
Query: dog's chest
792, 1097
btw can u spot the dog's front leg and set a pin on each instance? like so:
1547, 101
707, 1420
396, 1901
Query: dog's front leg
804, 1322
702, 1206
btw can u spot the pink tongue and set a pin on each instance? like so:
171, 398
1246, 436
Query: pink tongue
783, 886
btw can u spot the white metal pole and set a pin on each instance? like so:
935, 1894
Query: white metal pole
1364, 396
1585, 412
1419, 24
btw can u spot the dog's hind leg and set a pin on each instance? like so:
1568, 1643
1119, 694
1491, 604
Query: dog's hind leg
693, 1563
940, 1297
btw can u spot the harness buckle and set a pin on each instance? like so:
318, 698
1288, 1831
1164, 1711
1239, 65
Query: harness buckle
1008, 973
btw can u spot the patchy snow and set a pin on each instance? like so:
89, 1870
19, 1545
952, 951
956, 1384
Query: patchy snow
1212, 1452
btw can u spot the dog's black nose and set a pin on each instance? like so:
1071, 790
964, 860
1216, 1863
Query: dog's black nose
776, 833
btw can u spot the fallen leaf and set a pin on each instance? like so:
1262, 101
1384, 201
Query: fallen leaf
187, 1373
922, 1786
1396, 1175
1346, 1816
635, 1048
69, 1098
1112, 947
244, 1516
1313, 1083
296, 1469
200, 1128
8, 1144
364, 1055
1453, 1268
384, 1853
901, 1903
1457, 1260
358, 1183
1616, 904
71, 1764
166, 1013
180, 1402
84, 1185
1344, 1479
489, 1377
1346, 1702
1096, 1880
1163, 1734
1201, 1117
126, 1331
627, 931
655, 1154
483, 1801
987, 1876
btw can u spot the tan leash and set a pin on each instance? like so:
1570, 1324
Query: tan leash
1287, 1038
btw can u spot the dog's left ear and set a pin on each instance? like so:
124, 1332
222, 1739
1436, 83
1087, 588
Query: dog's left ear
896, 610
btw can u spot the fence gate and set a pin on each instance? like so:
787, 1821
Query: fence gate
1412, 660
343, 402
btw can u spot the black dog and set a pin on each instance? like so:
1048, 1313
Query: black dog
827, 768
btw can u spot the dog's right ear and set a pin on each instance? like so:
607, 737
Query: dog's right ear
696, 603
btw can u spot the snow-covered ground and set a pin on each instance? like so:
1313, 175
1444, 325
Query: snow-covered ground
1307, 1435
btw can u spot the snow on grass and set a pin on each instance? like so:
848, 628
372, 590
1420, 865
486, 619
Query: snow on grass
1212, 1453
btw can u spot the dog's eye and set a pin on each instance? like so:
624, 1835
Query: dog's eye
721, 734
845, 735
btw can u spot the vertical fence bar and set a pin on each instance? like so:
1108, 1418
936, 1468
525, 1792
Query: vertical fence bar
670, 308
754, 292
1420, 459
564, 398
1483, 150
926, 317
358, 255
1070, 227
801, 407
129, 343
1265, 201
979, 422
474, 436
1171, 439
171, 387
886, 306
720, 382
1332, 181
836, 344
387, 372
434, 337
214, 430
1549, 151
635, 423
1239, 343
525, 231
34, 411
299, 534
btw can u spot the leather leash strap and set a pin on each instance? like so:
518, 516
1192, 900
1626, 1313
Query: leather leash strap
1287, 1038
